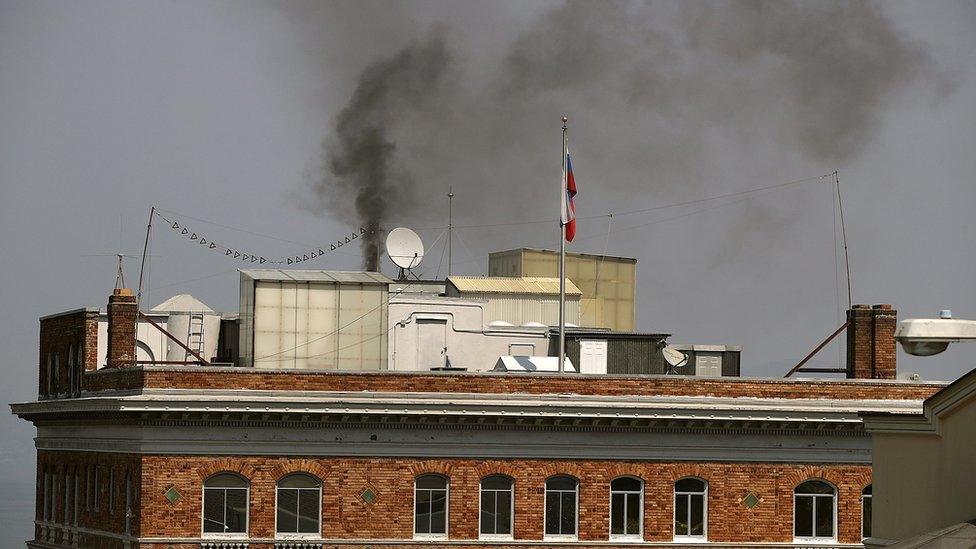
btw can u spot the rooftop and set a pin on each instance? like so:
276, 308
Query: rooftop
530, 285
291, 275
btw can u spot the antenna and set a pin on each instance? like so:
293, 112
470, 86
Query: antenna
405, 249
450, 228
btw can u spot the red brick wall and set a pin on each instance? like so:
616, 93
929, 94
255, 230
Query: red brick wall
241, 378
391, 515
122, 313
57, 336
871, 342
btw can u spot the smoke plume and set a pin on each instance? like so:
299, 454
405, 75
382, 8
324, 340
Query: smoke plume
664, 96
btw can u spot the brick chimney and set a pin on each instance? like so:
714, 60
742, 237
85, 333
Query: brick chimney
871, 342
122, 313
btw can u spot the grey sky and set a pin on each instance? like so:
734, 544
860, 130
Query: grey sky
219, 110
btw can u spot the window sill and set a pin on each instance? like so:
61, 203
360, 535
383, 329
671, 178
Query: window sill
691, 539
496, 537
560, 537
431, 537
815, 540
626, 539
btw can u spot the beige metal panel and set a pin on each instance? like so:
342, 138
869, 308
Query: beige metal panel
505, 263
608, 281
362, 339
519, 309
508, 285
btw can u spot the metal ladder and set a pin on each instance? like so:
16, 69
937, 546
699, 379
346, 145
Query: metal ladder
194, 336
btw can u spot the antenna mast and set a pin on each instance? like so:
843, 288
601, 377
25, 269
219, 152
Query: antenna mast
843, 229
450, 228
145, 248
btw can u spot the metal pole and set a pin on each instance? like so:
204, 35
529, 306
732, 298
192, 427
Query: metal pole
843, 229
145, 247
562, 257
450, 229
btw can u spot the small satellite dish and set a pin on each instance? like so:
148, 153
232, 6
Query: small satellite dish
674, 358
405, 249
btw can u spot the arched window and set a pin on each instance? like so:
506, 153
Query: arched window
299, 505
430, 507
814, 511
562, 499
691, 509
497, 507
626, 508
866, 512
225, 497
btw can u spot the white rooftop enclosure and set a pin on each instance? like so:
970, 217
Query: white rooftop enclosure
322, 320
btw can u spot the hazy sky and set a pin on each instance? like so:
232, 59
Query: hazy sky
228, 112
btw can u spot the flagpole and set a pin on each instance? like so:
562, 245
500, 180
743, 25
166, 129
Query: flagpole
562, 257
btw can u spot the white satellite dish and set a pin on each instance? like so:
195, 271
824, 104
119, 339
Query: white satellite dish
674, 357
405, 249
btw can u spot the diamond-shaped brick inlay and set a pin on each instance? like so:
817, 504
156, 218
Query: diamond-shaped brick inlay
173, 495
750, 500
368, 495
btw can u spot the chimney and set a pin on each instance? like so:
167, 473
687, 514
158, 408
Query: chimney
871, 342
122, 313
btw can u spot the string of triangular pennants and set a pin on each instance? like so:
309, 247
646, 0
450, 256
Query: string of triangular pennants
248, 257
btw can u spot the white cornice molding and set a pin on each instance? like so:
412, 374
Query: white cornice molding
927, 422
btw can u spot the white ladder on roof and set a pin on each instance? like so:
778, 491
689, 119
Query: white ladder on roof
195, 335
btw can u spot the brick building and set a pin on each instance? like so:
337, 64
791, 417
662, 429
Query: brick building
161, 456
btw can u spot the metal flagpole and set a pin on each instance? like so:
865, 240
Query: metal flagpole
450, 229
562, 257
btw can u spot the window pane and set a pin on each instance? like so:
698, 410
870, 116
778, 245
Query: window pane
213, 510
503, 509
681, 515
689, 485
803, 517
488, 513
496, 482
568, 515
298, 480
814, 487
633, 514
866, 517
561, 483
287, 511
422, 512
225, 480
825, 517
308, 510
697, 515
236, 510
438, 512
552, 512
617, 514
625, 484
431, 482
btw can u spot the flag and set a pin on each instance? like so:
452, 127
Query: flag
568, 214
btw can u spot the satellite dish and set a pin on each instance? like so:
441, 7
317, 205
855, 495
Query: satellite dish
405, 248
674, 357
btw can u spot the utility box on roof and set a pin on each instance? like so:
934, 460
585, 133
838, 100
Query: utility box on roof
608, 284
314, 320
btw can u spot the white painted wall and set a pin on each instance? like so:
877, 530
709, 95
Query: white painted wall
416, 343
152, 344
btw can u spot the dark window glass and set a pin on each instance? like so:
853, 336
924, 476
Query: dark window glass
814, 487
689, 507
825, 517
561, 506
496, 505
225, 504
803, 517
430, 508
681, 507
617, 514
866, 516
299, 500
625, 520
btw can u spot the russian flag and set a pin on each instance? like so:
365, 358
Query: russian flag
568, 215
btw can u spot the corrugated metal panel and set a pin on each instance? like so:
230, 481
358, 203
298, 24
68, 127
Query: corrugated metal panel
522, 309
533, 285
289, 275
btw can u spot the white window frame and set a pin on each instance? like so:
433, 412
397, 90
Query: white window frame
500, 537
560, 537
247, 509
639, 536
815, 538
868, 497
674, 518
447, 508
299, 535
